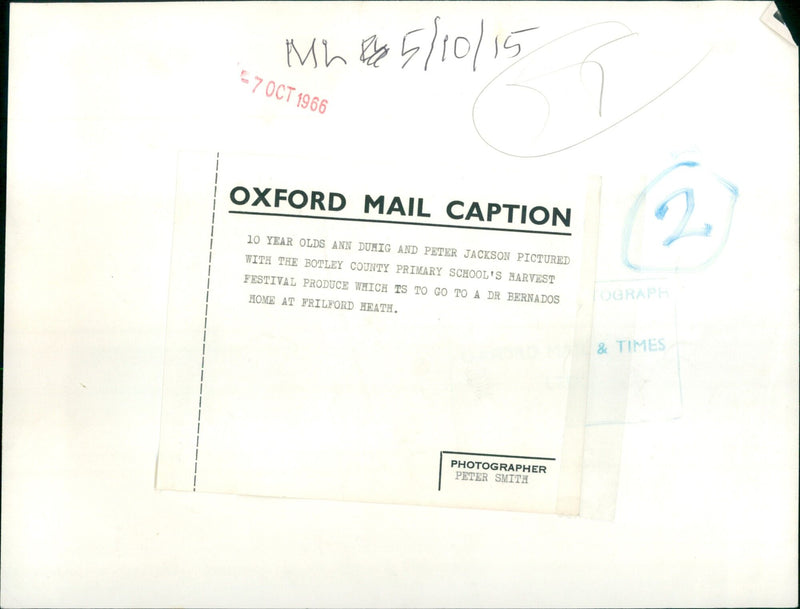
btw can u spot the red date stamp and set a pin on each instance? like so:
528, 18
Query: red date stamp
284, 93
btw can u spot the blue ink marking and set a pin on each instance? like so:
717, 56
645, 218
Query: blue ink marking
678, 233
687, 190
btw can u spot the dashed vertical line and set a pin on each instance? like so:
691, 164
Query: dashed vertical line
205, 327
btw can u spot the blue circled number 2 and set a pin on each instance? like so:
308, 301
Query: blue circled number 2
660, 236
680, 230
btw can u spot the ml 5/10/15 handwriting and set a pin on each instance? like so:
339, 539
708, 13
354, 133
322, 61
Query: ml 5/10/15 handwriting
425, 47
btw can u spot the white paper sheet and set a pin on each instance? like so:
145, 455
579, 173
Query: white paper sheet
350, 342
688, 493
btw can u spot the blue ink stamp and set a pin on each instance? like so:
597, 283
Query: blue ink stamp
680, 221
